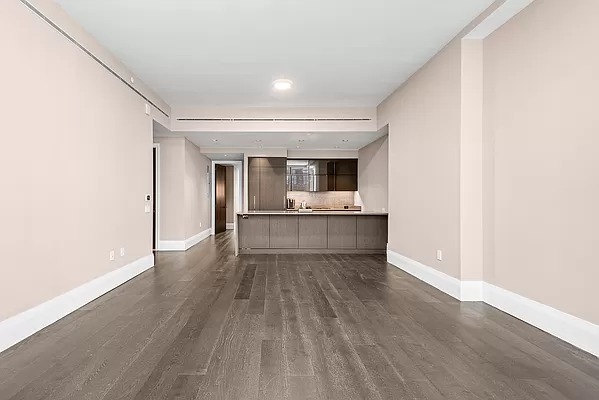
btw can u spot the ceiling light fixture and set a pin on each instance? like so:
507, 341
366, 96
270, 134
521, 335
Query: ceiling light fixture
282, 84
215, 140
345, 140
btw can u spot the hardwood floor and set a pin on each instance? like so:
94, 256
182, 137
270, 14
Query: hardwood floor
207, 325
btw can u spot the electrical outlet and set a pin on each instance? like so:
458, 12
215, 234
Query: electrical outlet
122, 252
439, 255
111, 255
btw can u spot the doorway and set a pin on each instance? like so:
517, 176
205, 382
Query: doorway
220, 201
233, 192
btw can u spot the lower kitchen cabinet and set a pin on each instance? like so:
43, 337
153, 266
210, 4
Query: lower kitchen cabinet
280, 233
254, 231
342, 232
371, 232
284, 232
313, 232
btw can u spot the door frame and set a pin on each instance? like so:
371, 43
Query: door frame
237, 189
157, 199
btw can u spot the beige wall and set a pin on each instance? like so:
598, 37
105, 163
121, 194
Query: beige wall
499, 165
373, 175
75, 165
230, 194
541, 121
197, 191
424, 162
184, 192
172, 188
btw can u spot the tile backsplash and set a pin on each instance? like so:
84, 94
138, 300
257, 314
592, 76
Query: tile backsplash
323, 199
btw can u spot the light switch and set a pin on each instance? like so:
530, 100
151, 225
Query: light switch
148, 208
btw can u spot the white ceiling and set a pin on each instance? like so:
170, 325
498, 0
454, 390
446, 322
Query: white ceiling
286, 140
339, 53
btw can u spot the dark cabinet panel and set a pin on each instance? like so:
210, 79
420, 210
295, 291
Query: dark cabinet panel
253, 183
346, 182
267, 188
283, 232
372, 232
341, 232
273, 191
346, 167
273, 162
254, 231
313, 232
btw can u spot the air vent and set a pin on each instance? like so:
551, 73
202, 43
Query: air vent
274, 119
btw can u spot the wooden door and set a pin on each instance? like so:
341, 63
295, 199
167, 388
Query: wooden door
220, 206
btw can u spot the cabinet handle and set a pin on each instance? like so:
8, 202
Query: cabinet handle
254, 203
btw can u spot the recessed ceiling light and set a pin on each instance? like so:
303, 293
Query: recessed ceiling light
282, 84
297, 147
226, 155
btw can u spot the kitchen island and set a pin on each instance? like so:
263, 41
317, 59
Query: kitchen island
272, 232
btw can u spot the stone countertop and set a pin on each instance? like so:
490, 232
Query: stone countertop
324, 212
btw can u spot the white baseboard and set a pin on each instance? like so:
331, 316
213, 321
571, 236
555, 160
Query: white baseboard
25, 324
461, 290
578, 332
195, 239
183, 245
230, 225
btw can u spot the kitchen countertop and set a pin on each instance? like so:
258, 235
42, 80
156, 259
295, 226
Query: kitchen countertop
324, 212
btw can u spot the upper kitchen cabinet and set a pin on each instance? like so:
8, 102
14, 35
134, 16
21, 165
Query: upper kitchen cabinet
346, 175
322, 175
266, 183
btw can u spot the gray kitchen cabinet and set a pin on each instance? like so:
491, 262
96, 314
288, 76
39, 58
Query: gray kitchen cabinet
371, 232
267, 183
254, 231
341, 232
313, 232
284, 232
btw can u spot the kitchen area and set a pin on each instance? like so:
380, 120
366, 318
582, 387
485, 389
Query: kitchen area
307, 206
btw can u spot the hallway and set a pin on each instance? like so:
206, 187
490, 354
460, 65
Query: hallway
204, 324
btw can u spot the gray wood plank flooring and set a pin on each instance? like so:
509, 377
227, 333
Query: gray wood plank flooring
207, 325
